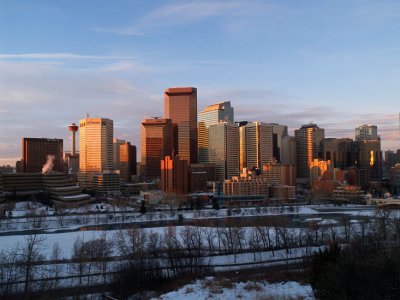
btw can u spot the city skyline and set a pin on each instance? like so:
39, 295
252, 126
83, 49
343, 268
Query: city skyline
334, 64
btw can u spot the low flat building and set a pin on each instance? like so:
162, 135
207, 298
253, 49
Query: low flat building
58, 186
348, 194
248, 183
279, 174
241, 201
282, 193
106, 183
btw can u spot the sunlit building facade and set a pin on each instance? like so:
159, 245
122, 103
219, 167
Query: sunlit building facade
174, 175
308, 140
127, 161
156, 135
95, 148
317, 168
180, 105
279, 174
211, 115
224, 150
256, 145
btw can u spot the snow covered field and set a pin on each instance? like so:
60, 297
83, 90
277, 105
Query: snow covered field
222, 289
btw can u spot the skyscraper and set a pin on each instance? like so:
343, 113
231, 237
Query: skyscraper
308, 139
36, 150
366, 132
127, 161
257, 145
211, 115
95, 148
116, 149
224, 150
157, 138
180, 105
281, 143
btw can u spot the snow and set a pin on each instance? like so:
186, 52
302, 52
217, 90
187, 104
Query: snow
212, 288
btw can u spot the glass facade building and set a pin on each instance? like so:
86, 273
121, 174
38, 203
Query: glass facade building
366, 132
224, 150
211, 115
308, 142
256, 145
180, 105
156, 144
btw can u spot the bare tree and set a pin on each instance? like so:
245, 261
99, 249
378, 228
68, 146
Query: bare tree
56, 268
209, 236
154, 244
28, 254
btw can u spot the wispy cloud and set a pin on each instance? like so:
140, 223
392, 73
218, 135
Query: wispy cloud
180, 14
60, 56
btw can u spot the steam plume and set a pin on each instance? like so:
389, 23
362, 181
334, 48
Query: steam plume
48, 166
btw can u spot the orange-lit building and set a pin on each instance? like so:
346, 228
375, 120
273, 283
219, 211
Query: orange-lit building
308, 140
211, 115
95, 148
256, 144
156, 144
248, 183
36, 150
174, 175
180, 105
318, 168
279, 174
127, 161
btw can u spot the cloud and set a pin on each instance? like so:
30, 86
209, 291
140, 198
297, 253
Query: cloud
42, 98
180, 14
59, 56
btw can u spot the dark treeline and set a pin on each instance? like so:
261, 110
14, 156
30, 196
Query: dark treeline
367, 267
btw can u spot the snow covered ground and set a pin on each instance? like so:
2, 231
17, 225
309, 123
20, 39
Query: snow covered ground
223, 289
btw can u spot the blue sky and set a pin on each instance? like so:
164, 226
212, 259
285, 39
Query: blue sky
335, 63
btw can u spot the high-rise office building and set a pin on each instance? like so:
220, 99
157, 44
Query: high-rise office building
211, 115
308, 140
224, 150
95, 148
339, 151
180, 105
35, 152
368, 156
256, 142
157, 138
127, 161
174, 175
366, 132
116, 149
280, 137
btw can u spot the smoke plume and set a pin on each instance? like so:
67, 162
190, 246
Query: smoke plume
48, 166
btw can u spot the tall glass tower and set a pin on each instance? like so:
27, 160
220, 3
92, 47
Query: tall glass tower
211, 115
180, 105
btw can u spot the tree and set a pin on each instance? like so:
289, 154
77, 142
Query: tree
28, 254
55, 267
